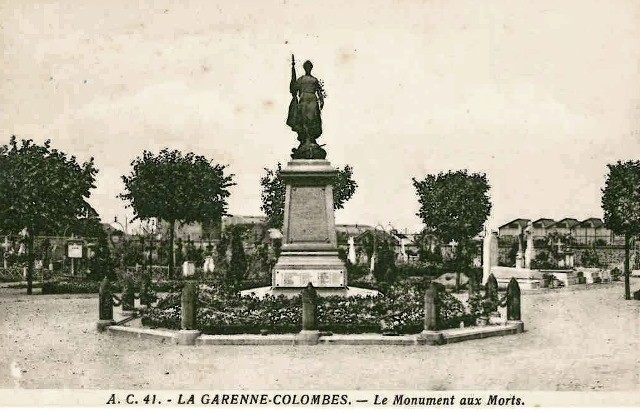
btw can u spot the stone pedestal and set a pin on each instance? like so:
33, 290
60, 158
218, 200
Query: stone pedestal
519, 261
187, 337
309, 245
429, 337
102, 325
307, 337
529, 253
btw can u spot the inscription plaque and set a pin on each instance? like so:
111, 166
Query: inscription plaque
298, 278
308, 215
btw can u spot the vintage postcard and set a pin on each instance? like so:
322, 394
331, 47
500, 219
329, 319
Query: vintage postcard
320, 204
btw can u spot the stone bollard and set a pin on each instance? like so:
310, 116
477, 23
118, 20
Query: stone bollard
430, 308
513, 305
188, 332
513, 300
128, 298
105, 306
310, 334
430, 334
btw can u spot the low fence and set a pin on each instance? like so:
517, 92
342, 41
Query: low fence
433, 327
19, 274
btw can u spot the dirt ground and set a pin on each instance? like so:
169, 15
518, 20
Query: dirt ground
578, 338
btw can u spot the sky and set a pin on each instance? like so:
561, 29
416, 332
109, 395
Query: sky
539, 95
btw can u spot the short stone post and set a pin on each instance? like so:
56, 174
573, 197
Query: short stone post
105, 306
128, 298
430, 308
513, 305
430, 334
513, 300
188, 332
310, 333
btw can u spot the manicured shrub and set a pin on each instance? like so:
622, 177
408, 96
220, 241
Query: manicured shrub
61, 287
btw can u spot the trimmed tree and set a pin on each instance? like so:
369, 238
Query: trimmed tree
176, 187
621, 206
454, 206
274, 189
43, 190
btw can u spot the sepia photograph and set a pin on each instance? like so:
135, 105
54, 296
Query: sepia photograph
290, 203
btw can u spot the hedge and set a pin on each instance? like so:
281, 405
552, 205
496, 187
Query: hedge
59, 287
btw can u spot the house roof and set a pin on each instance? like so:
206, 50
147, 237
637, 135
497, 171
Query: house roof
591, 222
410, 238
567, 222
521, 221
543, 222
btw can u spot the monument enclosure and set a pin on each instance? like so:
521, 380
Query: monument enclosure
309, 253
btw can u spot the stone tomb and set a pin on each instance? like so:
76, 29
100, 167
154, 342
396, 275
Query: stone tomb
527, 278
567, 276
309, 251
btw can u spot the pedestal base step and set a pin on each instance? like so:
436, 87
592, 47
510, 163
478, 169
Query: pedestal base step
260, 293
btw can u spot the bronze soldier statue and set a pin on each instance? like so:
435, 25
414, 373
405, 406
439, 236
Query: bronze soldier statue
307, 100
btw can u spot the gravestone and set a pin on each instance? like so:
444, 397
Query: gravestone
352, 251
489, 255
529, 252
209, 265
188, 268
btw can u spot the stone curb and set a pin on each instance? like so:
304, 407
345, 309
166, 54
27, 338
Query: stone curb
425, 338
142, 333
287, 339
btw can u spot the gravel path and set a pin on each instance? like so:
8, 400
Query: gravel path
579, 338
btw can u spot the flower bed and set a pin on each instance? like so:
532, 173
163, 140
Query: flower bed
221, 312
